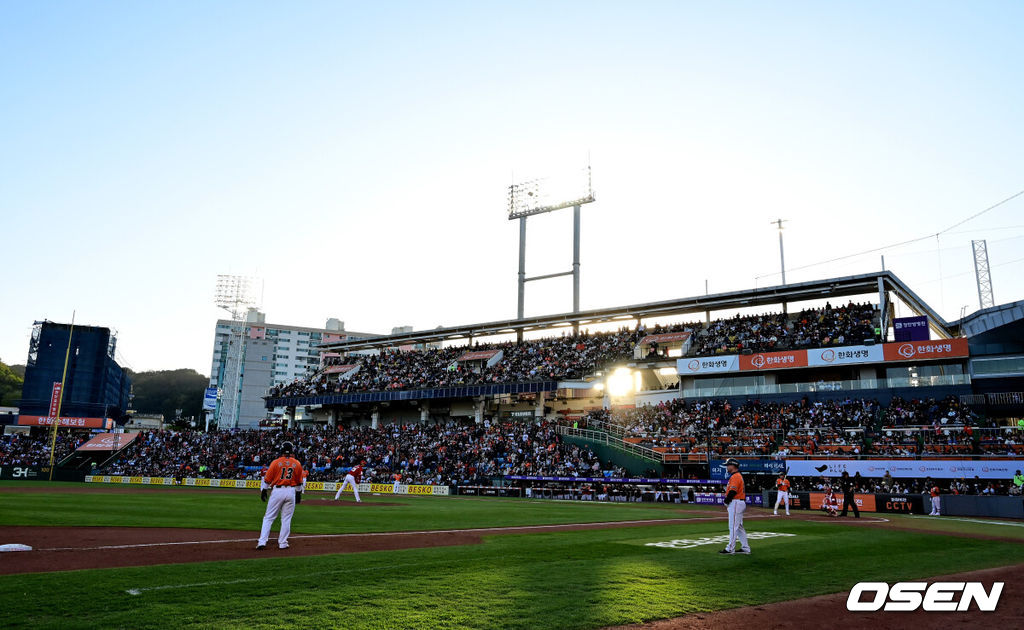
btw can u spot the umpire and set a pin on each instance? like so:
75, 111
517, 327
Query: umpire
848, 501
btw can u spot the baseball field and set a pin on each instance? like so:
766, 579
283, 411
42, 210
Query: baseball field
129, 557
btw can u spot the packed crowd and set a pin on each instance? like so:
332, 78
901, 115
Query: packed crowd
576, 355
566, 357
452, 453
830, 326
851, 427
25, 450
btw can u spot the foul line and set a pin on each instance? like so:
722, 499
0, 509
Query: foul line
975, 520
594, 525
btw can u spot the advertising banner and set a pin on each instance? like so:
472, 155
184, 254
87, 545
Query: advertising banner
108, 442
865, 502
717, 498
255, 484
55, 399
926, 350
210, 399
911, 328
640, 480
338, 369
771, 466
905, 468
708, 365
665, 338
479, 355
773, 360
845, 355
901, 503
75, 423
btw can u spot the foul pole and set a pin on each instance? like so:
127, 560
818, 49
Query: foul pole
60, 397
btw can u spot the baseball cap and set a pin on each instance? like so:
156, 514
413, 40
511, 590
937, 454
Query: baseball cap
732, 461
287, 447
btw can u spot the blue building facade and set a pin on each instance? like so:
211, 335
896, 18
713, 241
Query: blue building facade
96, 386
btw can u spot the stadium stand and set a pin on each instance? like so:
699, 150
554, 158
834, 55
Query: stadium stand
575, 356
851, 427
20, 449
452, 453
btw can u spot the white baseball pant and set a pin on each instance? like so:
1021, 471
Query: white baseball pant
349, 481
736, 529
394, 488
281, 501
936, 507
783, 498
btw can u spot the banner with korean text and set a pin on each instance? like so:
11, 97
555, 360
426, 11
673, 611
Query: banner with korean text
708, 365
845, 355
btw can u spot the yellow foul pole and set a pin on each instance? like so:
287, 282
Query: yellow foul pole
60, 398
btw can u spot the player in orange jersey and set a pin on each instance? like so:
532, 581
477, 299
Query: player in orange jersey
782, 485
283, 483
736, 504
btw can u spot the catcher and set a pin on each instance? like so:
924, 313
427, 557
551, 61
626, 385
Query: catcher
830, 504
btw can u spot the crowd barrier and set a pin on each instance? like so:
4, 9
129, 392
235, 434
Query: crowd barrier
322, 486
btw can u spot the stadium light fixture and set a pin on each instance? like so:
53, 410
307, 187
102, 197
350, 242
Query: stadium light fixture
548, 194
235, 294
620, 382
539, 196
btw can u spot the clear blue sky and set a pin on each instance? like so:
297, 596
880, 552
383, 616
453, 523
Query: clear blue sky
356, 155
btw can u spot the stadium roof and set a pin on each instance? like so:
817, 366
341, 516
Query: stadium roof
847, 286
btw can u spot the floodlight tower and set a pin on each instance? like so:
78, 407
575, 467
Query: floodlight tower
540, 196
235, 294
982, 274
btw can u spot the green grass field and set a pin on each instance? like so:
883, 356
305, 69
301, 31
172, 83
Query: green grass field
577, 579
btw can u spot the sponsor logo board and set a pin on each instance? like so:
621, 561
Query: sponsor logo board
708, 365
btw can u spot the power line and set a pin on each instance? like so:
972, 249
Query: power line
900, 244
976, 215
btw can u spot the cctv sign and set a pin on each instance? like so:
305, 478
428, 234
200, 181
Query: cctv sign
934, 597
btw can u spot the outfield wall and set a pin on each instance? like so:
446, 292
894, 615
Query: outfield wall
254, 484
973, 505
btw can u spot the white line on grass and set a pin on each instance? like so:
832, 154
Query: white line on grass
661, 521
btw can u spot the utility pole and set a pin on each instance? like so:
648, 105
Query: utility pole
782, 251
782, 256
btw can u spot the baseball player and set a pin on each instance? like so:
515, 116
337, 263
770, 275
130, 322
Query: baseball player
394, 486
782, 485
736, 504
935, 502
830, 504
283, 483
352, 478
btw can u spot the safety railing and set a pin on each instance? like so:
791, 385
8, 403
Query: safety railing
830, 386
614, 442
